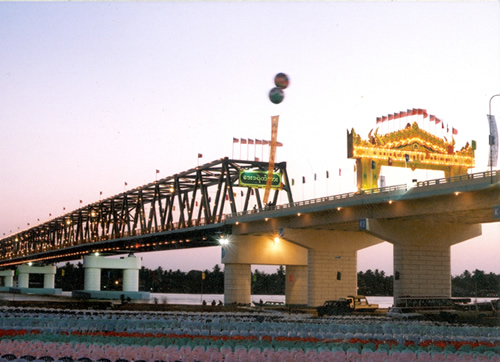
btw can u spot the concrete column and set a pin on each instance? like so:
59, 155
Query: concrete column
23, 280
49, 276
296, 284
422, 270
324, 267
130, 280
92, 279
422, 265
8, 277
237, 283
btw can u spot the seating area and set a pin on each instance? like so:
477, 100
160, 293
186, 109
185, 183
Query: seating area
28, 334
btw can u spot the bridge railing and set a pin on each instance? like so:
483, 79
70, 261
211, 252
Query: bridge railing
472, 176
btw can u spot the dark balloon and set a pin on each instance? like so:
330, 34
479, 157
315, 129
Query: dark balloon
276, 95
281, 80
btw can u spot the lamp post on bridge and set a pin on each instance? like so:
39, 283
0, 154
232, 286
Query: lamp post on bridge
493, 137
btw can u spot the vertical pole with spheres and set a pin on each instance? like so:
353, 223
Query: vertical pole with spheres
276, 96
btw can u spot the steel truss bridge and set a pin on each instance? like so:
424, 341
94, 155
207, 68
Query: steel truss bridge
184, 210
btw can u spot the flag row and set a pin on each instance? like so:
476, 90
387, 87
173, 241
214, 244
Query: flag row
416, 112
408, 113
250, 141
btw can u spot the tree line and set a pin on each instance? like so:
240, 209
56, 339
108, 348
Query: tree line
71, 277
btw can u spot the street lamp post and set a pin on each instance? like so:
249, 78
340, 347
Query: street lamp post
491, 139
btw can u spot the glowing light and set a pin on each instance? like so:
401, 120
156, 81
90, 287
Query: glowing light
390, 202
298, 214
276, 240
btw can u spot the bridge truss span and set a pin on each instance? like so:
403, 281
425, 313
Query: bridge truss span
173, 209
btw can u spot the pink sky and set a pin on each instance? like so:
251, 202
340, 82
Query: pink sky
97, 94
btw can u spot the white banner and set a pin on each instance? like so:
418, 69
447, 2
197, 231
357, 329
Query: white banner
493, 157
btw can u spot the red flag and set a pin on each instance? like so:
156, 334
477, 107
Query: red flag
402, 114
390, 117
279, 144
432, 118
81, 201
384, 118
200, 155
442, 125
257, 159
258, 142
379, 120
425, 113
243, 141
250, 141
236, 140
157, 171
420, 111
264, 142
340, 172
126, 184
414, 112
454, 131
396, 115
437, 120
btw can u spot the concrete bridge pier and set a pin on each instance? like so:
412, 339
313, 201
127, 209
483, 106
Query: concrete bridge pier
93, 264
422, 264
24, 271
244, 250
320, 264
23, 279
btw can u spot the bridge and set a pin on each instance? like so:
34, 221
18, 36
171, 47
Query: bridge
317, 240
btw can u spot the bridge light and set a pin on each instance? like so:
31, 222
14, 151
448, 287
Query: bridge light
298, 214
96, 253
339, 208
457, 193
390, 202
276, 240
223, 240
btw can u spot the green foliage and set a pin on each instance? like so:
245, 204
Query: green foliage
475, 284
70, 277
375, 283
370, 282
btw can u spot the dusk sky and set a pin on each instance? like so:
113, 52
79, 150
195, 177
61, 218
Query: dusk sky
94, 95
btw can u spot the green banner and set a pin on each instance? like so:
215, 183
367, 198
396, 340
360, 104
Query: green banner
259, 179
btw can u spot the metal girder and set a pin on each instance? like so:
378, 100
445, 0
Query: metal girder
193, 198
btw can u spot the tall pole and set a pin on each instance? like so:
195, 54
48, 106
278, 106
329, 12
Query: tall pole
491, 140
